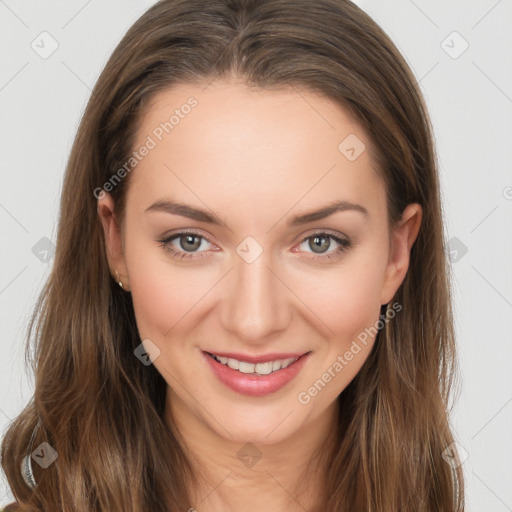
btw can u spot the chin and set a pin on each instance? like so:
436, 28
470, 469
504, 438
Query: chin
257, 426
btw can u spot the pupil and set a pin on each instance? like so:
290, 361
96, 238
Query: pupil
189, 242
319, 243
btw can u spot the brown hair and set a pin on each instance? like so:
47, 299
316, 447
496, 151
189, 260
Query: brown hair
102, 411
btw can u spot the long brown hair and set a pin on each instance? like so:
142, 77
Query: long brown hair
102, 411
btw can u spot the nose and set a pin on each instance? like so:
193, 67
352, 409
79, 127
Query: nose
257, 303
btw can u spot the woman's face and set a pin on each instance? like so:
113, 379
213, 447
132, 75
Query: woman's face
255, 230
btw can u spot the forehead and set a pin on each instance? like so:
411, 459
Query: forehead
250, 146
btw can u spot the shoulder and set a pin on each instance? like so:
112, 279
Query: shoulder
10, 508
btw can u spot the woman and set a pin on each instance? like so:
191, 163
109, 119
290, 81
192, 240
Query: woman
250, 303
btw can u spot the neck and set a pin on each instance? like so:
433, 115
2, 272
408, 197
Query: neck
233, 476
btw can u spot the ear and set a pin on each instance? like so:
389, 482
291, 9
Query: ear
403, 236
113, 240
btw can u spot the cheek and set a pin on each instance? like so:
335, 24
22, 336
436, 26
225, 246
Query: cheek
347, 300
163, 296
349, 304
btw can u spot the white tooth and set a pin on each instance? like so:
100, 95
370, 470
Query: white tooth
276, 365
288, 362
264, 368
223, 360
233, 363
245, 367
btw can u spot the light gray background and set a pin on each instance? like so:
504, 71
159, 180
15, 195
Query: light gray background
469, 95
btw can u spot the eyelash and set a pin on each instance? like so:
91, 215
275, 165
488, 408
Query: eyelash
343, 245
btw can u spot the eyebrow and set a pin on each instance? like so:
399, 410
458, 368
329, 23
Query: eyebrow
337, 206
184, 210
191, 212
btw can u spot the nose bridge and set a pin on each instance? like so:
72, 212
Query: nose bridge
256, 305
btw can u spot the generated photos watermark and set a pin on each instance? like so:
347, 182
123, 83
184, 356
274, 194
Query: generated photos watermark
343, 360
151, 142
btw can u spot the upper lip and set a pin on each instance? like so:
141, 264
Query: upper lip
263, 358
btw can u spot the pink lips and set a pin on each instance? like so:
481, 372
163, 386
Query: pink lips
252, 384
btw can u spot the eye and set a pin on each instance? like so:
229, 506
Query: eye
324, 246
320, 246
185, 244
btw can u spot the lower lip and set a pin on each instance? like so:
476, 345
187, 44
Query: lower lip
255, 385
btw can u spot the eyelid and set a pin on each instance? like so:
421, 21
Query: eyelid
329, 232
186, 231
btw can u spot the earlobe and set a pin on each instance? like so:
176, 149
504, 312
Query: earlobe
403, 236
113, 240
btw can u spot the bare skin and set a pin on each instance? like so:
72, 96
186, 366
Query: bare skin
255, 159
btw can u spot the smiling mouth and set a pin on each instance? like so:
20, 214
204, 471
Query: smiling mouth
261, 375
261, 368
